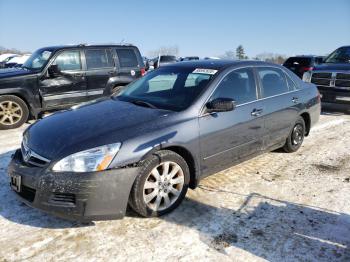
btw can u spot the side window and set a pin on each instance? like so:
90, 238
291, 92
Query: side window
292, 86
98, 58
127, 58
238, 85
273, 82
68, 61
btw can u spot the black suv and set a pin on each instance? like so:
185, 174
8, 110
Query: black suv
301, 64
61, 76
333, 76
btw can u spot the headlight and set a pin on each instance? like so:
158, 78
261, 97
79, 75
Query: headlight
307, 77
95, 159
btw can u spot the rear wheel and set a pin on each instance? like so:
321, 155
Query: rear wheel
296, 136
13, 112
161, 185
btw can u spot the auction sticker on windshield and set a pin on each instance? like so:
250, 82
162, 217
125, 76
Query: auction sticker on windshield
205, 71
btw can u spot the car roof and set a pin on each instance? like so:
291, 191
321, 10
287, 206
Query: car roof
59, 47
218, 64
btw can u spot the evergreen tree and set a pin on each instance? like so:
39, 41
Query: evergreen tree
240, 54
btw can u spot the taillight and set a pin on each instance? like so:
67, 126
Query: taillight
143, 71
306, 68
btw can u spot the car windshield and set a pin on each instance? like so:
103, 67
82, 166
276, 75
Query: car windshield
38, 59
341, 55
168, 88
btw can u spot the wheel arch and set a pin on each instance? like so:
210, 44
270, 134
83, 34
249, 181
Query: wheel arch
22, 95
307, 120
186, 155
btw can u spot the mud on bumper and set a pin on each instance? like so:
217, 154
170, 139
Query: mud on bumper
74, 196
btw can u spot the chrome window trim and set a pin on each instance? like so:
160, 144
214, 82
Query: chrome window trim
256, 84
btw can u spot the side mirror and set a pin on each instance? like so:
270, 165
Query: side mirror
220, 105
54, 71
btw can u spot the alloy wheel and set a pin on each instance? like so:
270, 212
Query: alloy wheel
163, 186
297, 134
10, 113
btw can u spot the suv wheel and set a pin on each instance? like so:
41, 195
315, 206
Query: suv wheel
296, 136
117, 89
13, 112
161, 185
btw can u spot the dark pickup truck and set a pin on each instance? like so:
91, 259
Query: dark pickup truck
59, 77
332, 77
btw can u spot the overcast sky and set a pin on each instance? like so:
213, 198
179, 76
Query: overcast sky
203, 28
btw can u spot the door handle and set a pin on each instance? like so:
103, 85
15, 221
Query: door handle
256, 112
295, 100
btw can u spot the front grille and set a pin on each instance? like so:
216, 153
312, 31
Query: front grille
342, 83
27, 193
343, 76
333, 80
32, 158
62, 199
322, 75
320, 81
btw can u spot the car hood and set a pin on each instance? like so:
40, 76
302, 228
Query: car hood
13, 72
98, 123
333, 67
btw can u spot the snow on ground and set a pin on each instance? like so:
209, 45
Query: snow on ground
277, 207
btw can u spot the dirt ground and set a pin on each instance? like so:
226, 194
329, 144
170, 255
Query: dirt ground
277, 207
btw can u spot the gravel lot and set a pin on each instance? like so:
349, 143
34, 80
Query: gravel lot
277, 207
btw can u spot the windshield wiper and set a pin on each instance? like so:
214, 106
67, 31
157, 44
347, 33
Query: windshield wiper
143, 103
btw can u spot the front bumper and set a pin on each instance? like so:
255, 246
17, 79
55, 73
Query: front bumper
334, 95
74, 196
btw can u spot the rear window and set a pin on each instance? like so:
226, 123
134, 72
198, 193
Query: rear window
98, 58
298, 61
127, 58
167, 58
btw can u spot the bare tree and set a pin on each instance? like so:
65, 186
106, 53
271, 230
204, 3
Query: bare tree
271, 57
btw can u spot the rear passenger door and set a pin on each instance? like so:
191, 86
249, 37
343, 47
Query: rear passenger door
99, 69
129, 64
281, 104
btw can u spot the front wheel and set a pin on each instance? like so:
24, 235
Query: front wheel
161, 185
296, 136
13, 112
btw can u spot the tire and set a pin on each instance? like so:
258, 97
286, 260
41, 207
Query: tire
296, 136
117, 89
159, 188
14, 112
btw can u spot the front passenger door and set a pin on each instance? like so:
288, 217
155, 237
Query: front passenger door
68, 87
228, 137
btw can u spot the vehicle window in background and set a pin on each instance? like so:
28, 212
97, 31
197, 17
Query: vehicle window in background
170, 88
341, 55
194, 79
38, 59
167, 58
238, 85
98, 58
68, 60
127, 58
273, 81
298, 61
